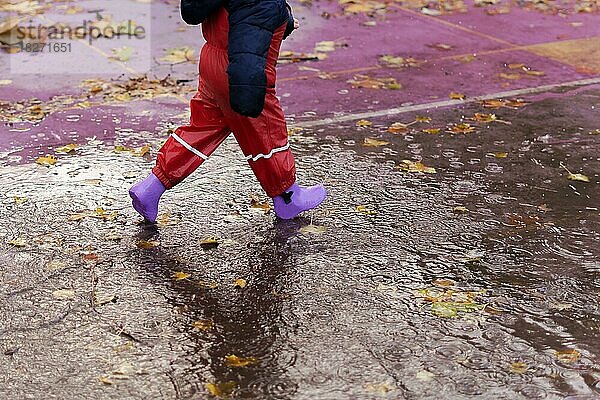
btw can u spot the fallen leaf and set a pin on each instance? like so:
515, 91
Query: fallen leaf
238, 362
364, 210
204, 324
122, 53
432, 131
461, 128
105, 380
372, 142
441, 46
568, 356
415, 166
64, 294
18, 242
460, 210
578, 177
325, 46
381, 388
419, 118
221, 390
178, 276
444, 282
367, 82
501, 154
457, 96
241, 283
47, 160
398, 127
20, 200
147, 244
363, 123
260, 205
209, 243
424, 376
518, 367
179, 55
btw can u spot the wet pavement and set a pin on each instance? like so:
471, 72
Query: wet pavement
456, 256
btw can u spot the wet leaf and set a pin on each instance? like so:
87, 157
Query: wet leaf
457, 96
578, 177
18, 242
518, 367
512, 77
240, 283
445, 283
313, 229
209, 243
424, 376
363, 123
568, 356
47, 160
325, 46
432, 131
373, 142
501, 154
441, 46
20, 200
260, 205
364, 210
207, 285
105, 380
460, 210
221, 390
461, 128
148, 244
415, 166
69, 148
64, 294
399, 62
381, 388
204, 324
178, 276
398, 127
449, 309
419, 118
239, 362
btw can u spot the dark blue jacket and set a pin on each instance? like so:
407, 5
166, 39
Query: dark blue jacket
251, 27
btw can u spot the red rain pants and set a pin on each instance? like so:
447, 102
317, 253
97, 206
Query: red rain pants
263, 140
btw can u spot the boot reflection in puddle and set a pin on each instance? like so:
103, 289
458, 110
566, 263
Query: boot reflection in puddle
234, 337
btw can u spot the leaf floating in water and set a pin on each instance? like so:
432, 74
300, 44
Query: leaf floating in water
47, 160
240, 283
568, 356
415, 166
238, 362
444, 282
450, 303
501, 154
204, 324
372, 142
461, 129
18, 242
364, 210
148, 244
460, 210
578, 177
518, 367
221, 390
209, 243
178, 276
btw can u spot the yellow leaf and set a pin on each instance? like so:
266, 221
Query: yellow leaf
178, 276
432, 131
221, 390
501, 154
237, 362
462, 128
479, 117
460, 209
364, 210
18, 242
46, 160
209, 243
569, 356
179, 55
372, 142
204, 324
147, 244
20, 200
515, 66
69, 148
256, 203
325, 46
241, 283
444, 282
578, 177
457, 96
419, 118
518, 367
412, 166
367, 82
364, 123
398, 127
105, 380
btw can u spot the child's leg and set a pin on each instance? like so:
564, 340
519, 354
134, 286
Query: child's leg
264, 141
190, 145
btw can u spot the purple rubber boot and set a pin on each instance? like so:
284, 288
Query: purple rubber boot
298, 199
145, 196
